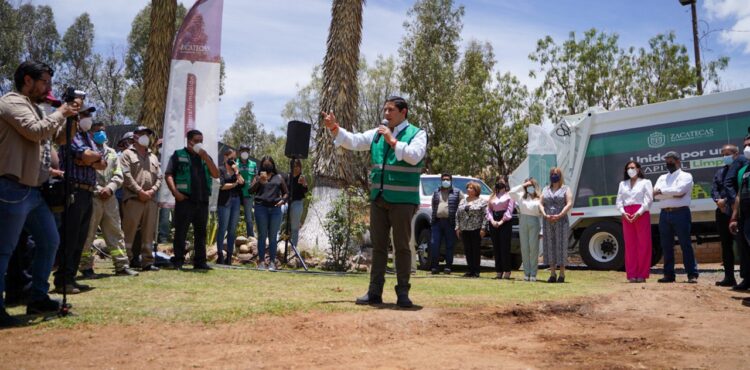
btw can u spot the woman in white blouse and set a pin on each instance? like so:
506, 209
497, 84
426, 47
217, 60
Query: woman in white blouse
526, 197
634, 199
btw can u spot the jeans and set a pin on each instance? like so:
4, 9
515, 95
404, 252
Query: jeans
229, 215
671, 223
295, 216
248, 204
22, 207
269, 222
164, 224
442, 230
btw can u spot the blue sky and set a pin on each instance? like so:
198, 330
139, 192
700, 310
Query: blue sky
270, 47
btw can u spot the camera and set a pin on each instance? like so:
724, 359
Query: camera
71, 93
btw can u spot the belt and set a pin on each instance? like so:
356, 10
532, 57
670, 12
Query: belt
672, 209
84, 187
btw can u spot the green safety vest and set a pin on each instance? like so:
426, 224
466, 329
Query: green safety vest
397, 181
182, 173
740, 174
247, 171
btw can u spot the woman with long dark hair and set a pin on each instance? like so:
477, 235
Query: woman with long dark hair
270, 194
296, 205
634, 199
228, 206
500, 218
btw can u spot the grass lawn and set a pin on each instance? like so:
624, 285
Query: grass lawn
227, 295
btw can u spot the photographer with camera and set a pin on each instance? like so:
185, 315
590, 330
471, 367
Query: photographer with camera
86, 160
25, 166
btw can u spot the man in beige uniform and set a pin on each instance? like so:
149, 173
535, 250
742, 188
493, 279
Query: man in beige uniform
106, 212
142, 173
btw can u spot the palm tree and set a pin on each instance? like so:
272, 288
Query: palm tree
332, 168
158, 55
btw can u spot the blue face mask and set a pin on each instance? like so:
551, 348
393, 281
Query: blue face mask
728, 159
100, 137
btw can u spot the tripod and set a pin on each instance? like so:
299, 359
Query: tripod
69, 199
288, 228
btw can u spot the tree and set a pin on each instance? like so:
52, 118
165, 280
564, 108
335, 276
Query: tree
108, 89
40, 37
76, 55
429, 54
11, 41
332, 168
157, 62
305, 106
246, 130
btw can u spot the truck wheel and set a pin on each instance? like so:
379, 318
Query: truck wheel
655, 246
423, 248
602, 246
515, 261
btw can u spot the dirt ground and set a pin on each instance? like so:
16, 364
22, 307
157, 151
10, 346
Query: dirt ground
636, 326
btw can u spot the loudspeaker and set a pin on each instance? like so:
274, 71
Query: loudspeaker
297, 139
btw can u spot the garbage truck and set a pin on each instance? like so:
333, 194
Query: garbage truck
592, 148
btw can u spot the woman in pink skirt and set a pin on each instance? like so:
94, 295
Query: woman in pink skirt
634, 199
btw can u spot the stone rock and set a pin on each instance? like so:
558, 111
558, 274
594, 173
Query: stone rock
245, 258
211, 253
240, 241
244, 249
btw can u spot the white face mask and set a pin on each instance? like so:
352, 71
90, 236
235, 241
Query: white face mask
197, 148
244, 156
531, 190
85, 124
747, 152
632, 172
144, 140
446, 183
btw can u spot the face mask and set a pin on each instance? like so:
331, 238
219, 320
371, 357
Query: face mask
554, 178
728, 159
499, 187
230, 162
143, 140
632, 172
446, 183
100, 137
85, 124
244, 156
531, 190
747, 152
197, 147
671, 167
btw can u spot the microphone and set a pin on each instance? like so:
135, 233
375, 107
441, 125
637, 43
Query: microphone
385, 123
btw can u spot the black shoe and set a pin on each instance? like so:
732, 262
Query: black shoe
69, 289
88, 274
666, 279
468, 275
202, 266
220, 260
46, 305
744, 285
369, 299
727, 282
403, 301
434, 272
8, 321
561, 279
127, 271
135, 263
552, 279
150, 268
81, 287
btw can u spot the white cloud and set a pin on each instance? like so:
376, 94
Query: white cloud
737, 11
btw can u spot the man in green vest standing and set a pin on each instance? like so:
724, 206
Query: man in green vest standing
397, 150
248, 170
189, 177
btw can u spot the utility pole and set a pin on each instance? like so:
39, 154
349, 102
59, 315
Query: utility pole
696, 44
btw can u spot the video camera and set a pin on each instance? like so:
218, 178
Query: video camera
71, 93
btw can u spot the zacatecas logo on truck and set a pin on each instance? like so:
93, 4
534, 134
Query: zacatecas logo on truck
658, 139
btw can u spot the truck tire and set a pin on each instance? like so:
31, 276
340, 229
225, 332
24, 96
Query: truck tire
515, 261
655, 246
423, 249
602, 246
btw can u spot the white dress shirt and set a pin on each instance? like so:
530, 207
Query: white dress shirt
675, 183
411, 153
526, 206
642, 193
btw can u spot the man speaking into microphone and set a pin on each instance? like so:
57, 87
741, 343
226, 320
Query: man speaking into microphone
397, 150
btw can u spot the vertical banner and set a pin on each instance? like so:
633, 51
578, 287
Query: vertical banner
194, 78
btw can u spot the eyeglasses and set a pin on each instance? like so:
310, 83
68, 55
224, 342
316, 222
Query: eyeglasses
46, 82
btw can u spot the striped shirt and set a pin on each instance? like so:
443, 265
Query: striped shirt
81, 142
